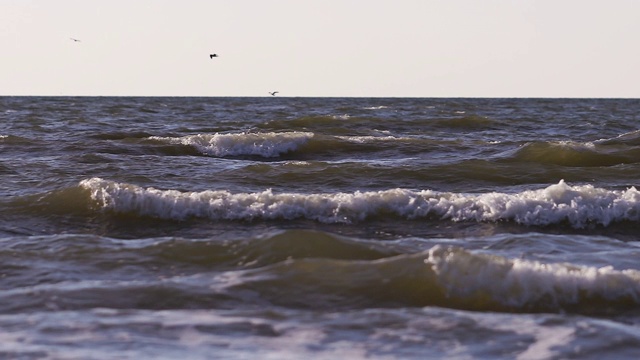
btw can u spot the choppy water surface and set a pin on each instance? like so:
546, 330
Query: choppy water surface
322, 228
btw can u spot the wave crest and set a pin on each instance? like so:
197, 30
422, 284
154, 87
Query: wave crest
566, 153
270, 144
576, 205
489, 281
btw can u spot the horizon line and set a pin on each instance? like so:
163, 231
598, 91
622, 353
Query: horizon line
334, 97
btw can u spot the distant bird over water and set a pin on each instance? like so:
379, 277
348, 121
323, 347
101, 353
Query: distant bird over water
212, 56
273, 93
74, 40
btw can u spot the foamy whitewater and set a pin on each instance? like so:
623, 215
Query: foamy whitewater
577, 205
319, 228
259, 144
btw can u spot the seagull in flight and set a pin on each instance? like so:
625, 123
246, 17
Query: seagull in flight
75, 40
212, 56
273, 93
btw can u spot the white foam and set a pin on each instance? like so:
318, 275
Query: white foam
574, 145
518, 283
576, 205
369, 138
270, 144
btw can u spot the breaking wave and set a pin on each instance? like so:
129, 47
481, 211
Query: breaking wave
483, 281
578, 206
308, 269
267, 145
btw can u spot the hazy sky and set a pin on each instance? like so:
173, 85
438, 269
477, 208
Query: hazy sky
417, 48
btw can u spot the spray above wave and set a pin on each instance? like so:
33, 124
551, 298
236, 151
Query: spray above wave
270, 144
576, 205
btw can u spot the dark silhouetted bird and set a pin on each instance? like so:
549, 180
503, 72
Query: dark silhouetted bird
273, 93
212, 56
76, 40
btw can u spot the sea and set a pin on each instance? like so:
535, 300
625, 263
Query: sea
319, 228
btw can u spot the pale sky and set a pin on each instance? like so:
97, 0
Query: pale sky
394, 48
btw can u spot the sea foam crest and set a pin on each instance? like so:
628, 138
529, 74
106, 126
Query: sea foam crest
270, 144
369, 138
520, 283
577, 205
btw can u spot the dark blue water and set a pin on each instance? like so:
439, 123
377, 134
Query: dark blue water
319, 227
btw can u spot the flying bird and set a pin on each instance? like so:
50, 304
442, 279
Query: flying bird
75, 40
212, 56
273, 93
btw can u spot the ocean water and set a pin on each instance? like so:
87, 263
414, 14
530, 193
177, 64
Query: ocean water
321, 228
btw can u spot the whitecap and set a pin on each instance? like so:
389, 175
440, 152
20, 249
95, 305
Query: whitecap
270, 144
577, 205
520, 283
369, 138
